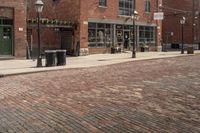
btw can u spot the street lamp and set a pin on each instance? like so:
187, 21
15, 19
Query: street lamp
182, 21
134, 17
39, 7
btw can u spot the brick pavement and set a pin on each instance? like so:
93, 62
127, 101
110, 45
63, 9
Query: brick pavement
155, 96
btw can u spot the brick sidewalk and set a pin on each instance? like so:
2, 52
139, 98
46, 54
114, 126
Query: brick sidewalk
159, 96
13, 67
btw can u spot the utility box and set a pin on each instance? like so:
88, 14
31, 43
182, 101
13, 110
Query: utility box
190, 50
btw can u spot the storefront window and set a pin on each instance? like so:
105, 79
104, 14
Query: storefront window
99, 35
92, 35
146, 34
119, 34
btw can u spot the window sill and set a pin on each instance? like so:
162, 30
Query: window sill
148, 13
124, 16
104, 7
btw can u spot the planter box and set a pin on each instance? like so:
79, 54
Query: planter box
144, 49
115, 50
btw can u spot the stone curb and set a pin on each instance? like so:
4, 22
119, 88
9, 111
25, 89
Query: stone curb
50, 70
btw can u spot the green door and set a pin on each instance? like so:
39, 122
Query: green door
6, 40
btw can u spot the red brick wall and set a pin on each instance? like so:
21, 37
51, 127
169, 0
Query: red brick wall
67, 10
19, 8
58, 9
171, 22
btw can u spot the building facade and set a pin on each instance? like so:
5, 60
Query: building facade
59, 25
103, 23
172, 32
96, 26
13, 28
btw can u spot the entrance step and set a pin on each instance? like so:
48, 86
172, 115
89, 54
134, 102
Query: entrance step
6, 57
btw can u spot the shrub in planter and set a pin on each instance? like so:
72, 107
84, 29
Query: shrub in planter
113, 48
144, 48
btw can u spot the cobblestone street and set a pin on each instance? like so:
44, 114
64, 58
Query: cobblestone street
154, 96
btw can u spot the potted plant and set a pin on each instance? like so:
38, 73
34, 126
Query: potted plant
113, 48
144, 47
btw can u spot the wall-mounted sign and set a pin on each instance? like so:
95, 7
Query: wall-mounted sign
119, 33
21, 29
119, 27
158, 16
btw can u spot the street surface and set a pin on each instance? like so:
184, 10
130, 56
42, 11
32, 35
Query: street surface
154, 96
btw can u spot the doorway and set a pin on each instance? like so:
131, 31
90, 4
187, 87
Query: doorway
126, 39
67, 41
6, 39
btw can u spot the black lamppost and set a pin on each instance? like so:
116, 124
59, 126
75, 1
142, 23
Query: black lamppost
182, 21
134, 17
39, 7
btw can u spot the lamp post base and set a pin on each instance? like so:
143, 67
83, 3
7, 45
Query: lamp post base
182, 51
39, 61
199, 46
133, 54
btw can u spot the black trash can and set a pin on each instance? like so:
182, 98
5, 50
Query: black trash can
50, 56
61, 57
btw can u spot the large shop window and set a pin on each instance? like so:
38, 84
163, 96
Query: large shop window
146, 34
125, 7
99, 35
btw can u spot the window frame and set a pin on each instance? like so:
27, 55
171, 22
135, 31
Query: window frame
147, 34
126, 7
147, 6
97, 41
102, 3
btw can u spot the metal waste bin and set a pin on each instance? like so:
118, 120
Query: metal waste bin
61, 57
50, 56
190, 50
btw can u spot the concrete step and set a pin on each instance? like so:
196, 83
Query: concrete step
6, 57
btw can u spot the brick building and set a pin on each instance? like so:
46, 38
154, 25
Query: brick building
95, 26
13, 28
113, 19
174, 11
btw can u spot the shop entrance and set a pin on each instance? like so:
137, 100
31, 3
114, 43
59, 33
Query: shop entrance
126, 39
67, 41
6, 37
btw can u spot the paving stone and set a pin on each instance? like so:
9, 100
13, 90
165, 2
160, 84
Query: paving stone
155, 96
